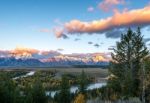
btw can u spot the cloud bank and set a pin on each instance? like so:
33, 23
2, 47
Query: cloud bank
28, 52
132, 18
22, 52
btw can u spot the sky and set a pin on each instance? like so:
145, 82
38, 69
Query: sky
70, 26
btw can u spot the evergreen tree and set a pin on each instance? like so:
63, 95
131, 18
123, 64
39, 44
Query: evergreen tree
64, 95
126, 62
9, 92
36, 93
82, 82
147, 79
28, 94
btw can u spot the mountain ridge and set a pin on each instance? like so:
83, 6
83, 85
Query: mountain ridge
31, 62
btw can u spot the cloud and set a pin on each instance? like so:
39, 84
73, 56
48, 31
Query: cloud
24, 52
4, 53
107, 5
97, 45
111, 47
90, 42
115, 33
45, 54
58, 32
20, 50
132, 18
77, 39
65, 36
90, 9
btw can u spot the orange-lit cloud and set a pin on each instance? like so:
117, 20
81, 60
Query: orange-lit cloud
58, 32
137, 17
28, 52
22, 51
107, 5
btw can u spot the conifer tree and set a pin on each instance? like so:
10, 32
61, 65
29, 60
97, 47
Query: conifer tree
82, 82
36, 93
9, 92
64, 95
147, 79
126, 62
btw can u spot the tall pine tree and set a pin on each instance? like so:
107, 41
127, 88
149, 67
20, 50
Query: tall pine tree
64, 95
126, 62
36, 93
9, 92
82, 82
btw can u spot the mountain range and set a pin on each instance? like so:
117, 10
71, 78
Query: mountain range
35, 58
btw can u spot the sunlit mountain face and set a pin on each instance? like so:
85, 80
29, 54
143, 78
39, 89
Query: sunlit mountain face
21, 55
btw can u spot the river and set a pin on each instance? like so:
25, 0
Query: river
26, 75
73, 89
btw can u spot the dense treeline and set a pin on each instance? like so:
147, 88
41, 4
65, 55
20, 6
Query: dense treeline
35, 92
50, 80
10, 93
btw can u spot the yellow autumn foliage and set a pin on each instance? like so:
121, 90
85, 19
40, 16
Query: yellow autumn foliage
80, 99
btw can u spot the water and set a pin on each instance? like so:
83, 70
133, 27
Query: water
74, 89
95, 86
26, 75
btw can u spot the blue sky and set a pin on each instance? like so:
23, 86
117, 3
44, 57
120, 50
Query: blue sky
22, 22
